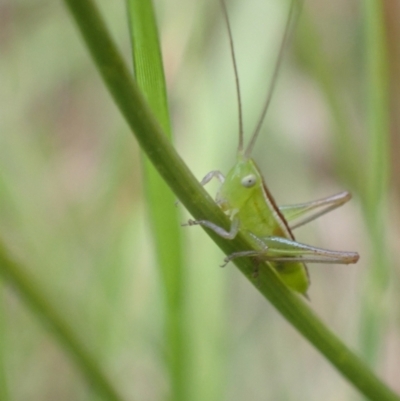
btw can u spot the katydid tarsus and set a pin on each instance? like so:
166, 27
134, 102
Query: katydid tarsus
245, 198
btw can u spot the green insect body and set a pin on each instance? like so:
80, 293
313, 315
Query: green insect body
245, 195
245, 198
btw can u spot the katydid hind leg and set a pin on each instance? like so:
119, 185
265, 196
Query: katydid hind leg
278, 249
244, 254
285, 250
317, 208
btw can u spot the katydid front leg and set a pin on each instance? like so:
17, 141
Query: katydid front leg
213, 174
219, 230
208, 177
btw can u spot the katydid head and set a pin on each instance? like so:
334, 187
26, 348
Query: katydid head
240, 183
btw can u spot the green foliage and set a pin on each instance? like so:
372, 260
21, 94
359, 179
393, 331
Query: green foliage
116, 297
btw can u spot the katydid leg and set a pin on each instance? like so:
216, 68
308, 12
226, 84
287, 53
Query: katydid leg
317, 208
231, 234
213, 174
278, 249
207, 178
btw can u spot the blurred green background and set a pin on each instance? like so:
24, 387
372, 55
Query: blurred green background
73, 210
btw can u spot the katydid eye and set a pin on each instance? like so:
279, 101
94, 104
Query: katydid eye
249, 180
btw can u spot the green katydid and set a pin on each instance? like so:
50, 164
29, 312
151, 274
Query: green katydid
245, 198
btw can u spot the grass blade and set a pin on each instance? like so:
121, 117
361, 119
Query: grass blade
375, 207
3, 347
51, 317
164, 216
370, 180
